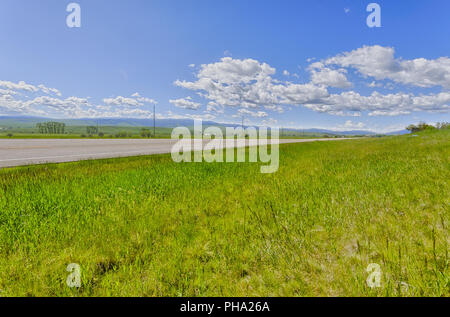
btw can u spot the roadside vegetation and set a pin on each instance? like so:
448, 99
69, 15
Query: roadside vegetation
55, 130
62, 131
422, 126
146, 226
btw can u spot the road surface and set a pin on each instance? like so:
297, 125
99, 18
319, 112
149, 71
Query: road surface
18, 152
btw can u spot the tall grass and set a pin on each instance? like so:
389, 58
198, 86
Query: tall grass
146, 226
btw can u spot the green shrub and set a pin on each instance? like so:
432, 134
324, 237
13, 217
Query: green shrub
422, 126
145, 133
121, 134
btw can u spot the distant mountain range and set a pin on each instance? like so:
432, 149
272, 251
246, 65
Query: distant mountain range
401, 132
25, 121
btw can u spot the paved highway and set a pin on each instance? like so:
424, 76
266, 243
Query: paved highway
18, 152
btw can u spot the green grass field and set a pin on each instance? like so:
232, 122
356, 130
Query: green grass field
114, 132
77, 132
146, 226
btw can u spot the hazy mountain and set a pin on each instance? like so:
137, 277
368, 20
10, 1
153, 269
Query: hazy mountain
125, 122
350, 132
401, 132
25, 121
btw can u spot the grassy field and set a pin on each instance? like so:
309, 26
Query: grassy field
114, 132
26, 129
77, 132
146, 226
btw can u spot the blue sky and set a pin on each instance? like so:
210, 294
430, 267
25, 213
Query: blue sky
293, 63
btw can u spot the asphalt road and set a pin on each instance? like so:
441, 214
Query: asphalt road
18, 152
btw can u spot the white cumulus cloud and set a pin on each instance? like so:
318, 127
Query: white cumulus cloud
185, 103
380, 63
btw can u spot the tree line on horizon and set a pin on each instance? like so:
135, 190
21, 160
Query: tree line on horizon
51, 127
422, 126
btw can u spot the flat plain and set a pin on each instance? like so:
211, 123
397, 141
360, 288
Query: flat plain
146, 226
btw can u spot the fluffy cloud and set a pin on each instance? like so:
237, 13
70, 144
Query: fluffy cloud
136, 100
214, 107
23, 86
11, 106
7, 92
255, 114
349, 124
250, 88
374, 84
49, 91
73, 107
13, 103
233, 82
249, 84
269, 122
206, 116
379, 62
185, 103
321, 75
45, 106
143, 99
230, 71
378, 104
122, 101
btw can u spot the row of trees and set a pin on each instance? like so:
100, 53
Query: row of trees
51, 127
92, 130
443, 125
145, 133
59, 128
422, 126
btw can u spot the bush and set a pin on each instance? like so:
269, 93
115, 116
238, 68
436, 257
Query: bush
443, 125
101, 134
145, 133
121, 134
9, 135
91, 130
422, 126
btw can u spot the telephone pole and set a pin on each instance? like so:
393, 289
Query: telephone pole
154, 121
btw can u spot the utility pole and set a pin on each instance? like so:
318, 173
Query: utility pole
154, 121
